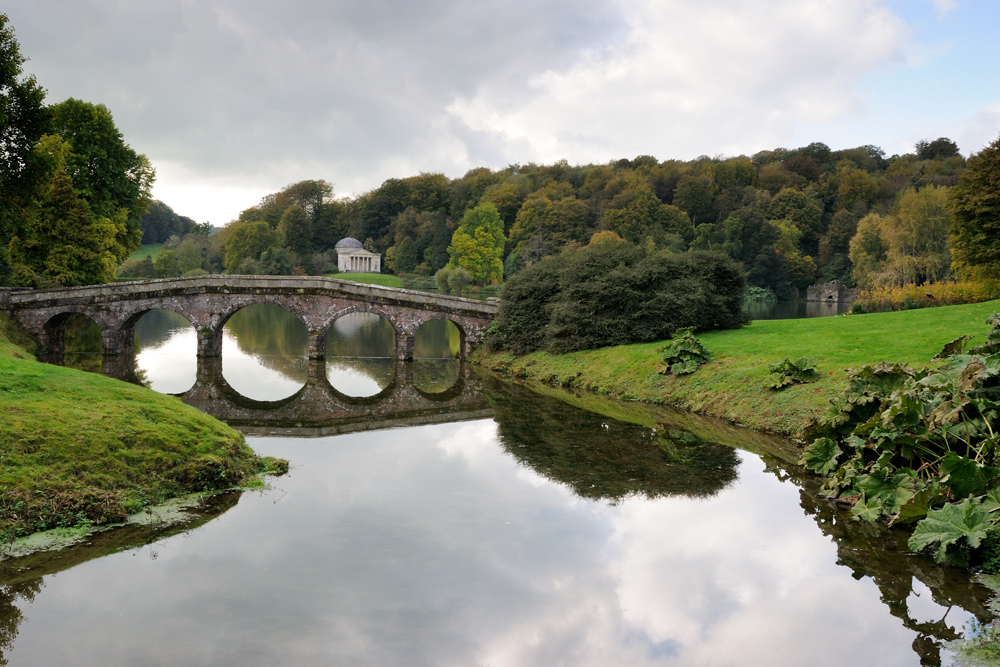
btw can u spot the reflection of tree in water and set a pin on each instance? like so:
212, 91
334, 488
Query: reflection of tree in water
10, 615
274, 337
82, 344
435, 375
157, 327
362, 335
882, 554
23, 578
605, 459
437, 339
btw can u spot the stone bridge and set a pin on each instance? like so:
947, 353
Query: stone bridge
209, 301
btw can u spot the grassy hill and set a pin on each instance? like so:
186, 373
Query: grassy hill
82, 449
732, 385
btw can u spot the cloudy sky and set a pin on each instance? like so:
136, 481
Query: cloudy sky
233, 99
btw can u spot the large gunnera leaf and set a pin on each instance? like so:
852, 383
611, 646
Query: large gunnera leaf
950, 524
964, 476
821, 456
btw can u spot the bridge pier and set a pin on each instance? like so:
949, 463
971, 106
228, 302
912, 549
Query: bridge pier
115, 342
209, 342
404, 346
317, 344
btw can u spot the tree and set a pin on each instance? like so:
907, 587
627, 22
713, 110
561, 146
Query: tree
247, 240
807, 215
694, 196
917, 236
868, 250
975, 210
939, 149
65, 244
477, 245
24, 173
113, 178
296, 230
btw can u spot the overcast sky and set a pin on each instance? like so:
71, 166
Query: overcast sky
233, 99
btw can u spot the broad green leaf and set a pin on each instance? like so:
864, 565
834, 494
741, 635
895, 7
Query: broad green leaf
964, 476
948, 525
821, 456
916, 507
868, 509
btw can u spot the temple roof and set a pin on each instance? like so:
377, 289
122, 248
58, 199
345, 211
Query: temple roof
349, 243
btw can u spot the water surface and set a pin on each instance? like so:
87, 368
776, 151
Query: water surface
479, 523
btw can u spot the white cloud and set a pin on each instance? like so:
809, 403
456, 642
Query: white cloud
730, 74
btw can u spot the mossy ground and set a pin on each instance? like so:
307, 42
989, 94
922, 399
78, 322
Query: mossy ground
78, 448
733, 384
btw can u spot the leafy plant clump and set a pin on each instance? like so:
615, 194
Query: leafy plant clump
685, 353
786, 372
903, 445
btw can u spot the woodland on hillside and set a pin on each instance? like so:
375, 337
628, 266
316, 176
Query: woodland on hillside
789, 217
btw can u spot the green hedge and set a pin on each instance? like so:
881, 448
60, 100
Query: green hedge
616, 293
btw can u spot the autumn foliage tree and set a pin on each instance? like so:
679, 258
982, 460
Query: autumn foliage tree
477, 245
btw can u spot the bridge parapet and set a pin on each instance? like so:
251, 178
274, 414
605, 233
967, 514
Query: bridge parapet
208, 302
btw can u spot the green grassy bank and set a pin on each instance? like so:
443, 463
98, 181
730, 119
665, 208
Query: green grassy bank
383, 279
151, 249
81, 449
732, 386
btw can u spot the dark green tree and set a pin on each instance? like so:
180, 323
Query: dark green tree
65, 244
296, 230
939, 149
24, 119
975, 210
113, 179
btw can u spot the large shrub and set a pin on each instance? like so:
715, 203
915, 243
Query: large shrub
616, 293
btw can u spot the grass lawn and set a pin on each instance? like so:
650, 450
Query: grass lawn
368, 278
148, 249
78, 448
732, 385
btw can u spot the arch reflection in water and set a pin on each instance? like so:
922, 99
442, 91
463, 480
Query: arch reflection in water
264, 352
82, 342
319, 409
360, 349
436, 352
166, 348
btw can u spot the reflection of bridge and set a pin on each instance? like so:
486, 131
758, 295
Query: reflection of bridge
209, 301
319, 409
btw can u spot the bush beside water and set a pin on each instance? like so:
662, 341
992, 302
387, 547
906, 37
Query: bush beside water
616, 293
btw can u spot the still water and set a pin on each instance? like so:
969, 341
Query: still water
466, 521
795, 310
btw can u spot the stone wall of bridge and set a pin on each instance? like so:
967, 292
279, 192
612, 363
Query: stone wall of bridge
209, 301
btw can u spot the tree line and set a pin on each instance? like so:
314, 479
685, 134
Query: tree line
72, 192
76, 202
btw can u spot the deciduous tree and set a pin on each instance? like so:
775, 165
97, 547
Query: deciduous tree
975, 209
477, 245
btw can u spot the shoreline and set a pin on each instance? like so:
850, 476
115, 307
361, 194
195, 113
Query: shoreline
731, 386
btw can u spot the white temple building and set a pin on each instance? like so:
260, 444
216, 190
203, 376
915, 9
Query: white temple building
353, 258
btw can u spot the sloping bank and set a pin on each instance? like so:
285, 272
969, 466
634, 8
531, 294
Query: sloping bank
732, 385
79, 449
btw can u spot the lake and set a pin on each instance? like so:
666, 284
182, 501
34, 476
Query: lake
437, 516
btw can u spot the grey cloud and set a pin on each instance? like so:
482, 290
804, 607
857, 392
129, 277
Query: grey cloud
231, 88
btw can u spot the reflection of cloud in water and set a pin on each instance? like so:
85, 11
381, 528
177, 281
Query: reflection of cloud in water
360, 377
171, 366
257, 376
430, 546
435, 375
